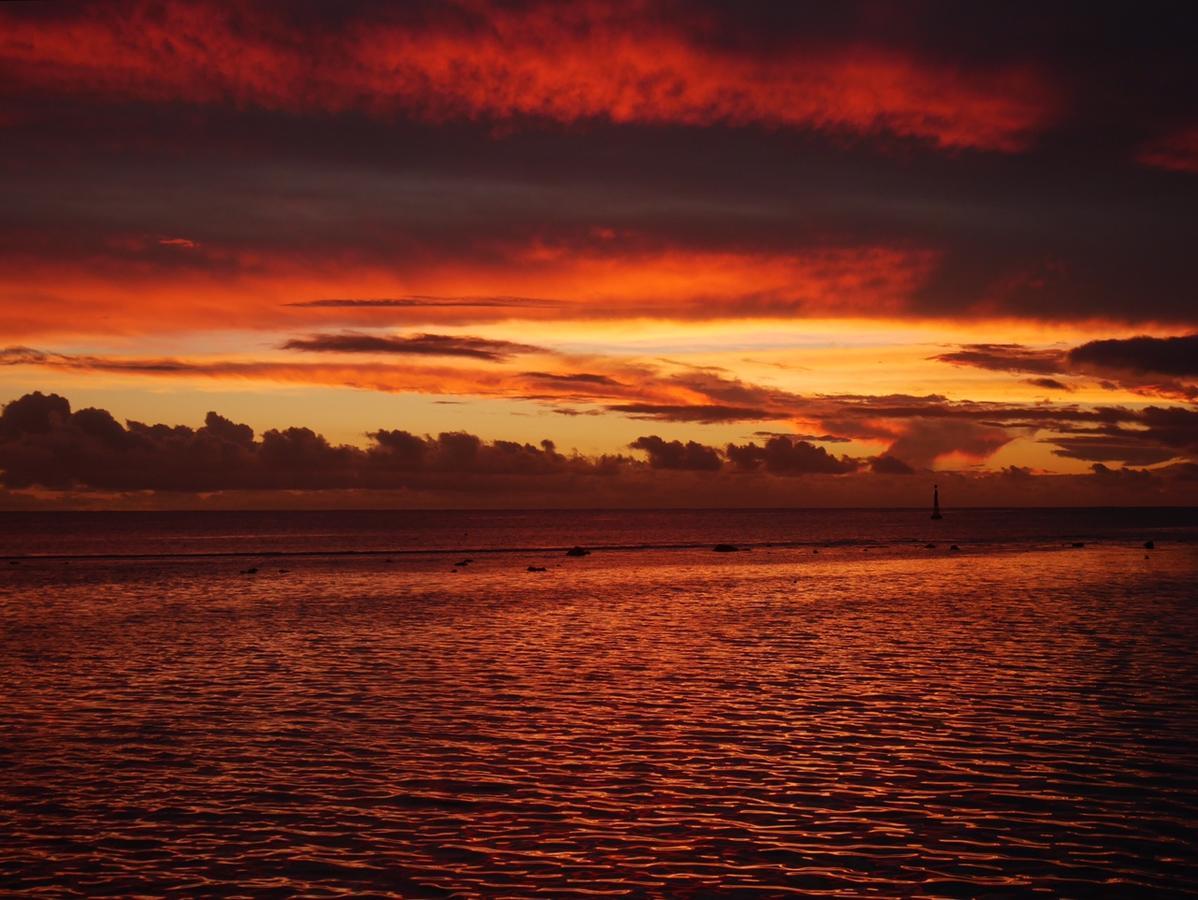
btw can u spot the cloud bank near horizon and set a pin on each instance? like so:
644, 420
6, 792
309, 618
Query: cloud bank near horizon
47, 450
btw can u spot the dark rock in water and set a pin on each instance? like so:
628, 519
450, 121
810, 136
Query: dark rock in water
1149, 545
578, 551
463, 562
955, 547
930, 546
252, 570
1078, 544
14, 562
537, 569
815, 551
725, 548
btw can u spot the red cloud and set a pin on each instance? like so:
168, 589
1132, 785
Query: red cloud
561, 62
1177, 151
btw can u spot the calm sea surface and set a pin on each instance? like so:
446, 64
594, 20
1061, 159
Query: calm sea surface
840, 711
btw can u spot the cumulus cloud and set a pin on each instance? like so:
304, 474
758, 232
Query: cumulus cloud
925, 440
890, 465
677, 455
783, 456
1122, 477
44, 443
918, 429
49, 450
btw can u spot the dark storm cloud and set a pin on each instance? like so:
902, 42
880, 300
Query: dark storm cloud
416, 345
677, 455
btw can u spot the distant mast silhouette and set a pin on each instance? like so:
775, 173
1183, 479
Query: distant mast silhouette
936, 502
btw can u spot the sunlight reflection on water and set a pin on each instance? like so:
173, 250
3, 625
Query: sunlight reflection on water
660, 723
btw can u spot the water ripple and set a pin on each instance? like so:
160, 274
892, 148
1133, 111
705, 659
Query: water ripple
639, 724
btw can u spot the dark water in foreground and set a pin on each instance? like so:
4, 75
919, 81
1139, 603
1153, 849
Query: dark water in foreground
879, 718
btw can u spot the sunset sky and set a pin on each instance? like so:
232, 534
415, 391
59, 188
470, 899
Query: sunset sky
744, 254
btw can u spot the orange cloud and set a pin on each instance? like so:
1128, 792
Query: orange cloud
139, 292
917, 430
561, 62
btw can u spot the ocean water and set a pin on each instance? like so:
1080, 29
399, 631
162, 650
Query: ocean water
839, 711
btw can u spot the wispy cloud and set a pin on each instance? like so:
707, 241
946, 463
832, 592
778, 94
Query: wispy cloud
413, 345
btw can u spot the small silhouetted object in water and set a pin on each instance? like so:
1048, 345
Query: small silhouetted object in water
252, 570
1078, 544
1149, 545
537, 569
929, 546
725, 548
955, 548
463, 562
936, 502
578, 551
